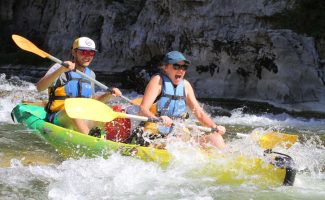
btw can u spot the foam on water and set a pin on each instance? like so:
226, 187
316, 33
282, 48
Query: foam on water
121, 177
268, 120
116, 178
14, 91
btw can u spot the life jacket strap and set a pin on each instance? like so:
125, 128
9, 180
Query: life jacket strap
173, 97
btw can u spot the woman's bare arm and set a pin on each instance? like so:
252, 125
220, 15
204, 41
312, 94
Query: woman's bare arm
152, 91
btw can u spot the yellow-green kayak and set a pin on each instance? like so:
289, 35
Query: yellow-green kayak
234, 169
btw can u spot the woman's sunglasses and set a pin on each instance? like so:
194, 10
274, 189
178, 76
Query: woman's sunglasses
86, 52
178, 66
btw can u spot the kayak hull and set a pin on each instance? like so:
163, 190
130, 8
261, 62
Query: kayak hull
234, 169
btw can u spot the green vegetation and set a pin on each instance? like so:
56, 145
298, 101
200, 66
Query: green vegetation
306, 17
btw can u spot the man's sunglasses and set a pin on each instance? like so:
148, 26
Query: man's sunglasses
178, 66
86, 52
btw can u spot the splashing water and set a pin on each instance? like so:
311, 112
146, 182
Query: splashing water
14, 91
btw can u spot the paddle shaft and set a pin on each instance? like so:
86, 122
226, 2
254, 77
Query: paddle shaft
150, 119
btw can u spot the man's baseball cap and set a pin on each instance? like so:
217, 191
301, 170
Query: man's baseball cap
84, 43
174, 57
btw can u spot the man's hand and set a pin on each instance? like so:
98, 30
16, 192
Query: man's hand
116, 92
71, 66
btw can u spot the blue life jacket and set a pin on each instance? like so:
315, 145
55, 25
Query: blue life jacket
77, 86
171, 102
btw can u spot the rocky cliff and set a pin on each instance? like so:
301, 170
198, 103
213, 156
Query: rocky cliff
234, 51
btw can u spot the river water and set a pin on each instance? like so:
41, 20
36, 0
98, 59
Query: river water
31, 169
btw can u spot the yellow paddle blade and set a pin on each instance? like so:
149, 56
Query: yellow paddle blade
27, 45
272, 139
90, 109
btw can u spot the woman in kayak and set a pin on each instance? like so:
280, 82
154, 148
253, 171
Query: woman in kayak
62, 82
173, 94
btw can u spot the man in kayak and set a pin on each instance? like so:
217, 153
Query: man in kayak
62, 82
173, 94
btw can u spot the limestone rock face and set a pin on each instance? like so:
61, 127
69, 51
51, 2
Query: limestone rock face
233, 49
268, 65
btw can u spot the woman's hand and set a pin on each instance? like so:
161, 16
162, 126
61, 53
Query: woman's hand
166, 121
220, 130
